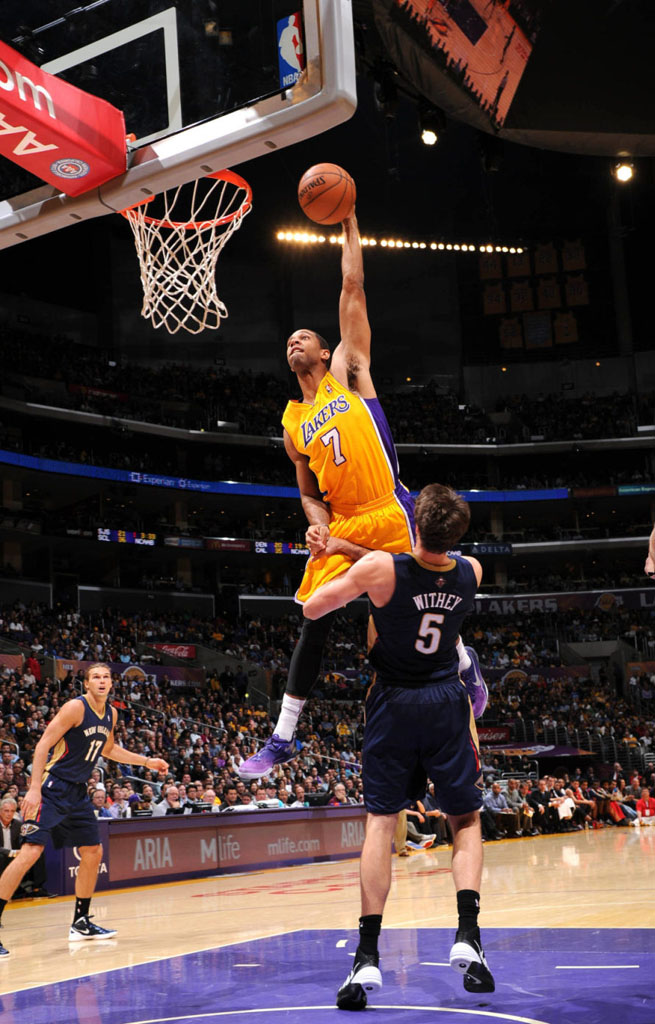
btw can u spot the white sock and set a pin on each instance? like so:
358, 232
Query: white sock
464, 660
289, 715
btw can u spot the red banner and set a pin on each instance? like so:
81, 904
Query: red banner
60, 133
177, 650
637, 668
594, 492
487, 734
83, 389
12, 661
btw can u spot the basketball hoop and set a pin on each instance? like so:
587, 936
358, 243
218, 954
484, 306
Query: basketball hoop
178, 256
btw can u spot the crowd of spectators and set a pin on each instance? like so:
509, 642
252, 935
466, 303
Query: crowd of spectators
198, 397
528, 642
517, 639
205, 734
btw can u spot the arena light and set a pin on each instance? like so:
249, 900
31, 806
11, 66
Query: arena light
623, 171
304, 238
432, 124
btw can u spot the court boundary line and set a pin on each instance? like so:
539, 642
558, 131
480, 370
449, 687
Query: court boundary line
151, 960
260, 938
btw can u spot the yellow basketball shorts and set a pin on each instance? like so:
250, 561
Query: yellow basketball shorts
386, 525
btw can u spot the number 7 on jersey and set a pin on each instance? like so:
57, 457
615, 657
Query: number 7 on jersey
332, 437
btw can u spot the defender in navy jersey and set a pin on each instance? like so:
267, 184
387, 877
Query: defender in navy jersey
419, 723
57, 805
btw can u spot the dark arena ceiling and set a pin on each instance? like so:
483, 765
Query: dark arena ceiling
587, 86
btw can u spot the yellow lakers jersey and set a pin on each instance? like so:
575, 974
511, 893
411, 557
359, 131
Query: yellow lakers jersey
348, 442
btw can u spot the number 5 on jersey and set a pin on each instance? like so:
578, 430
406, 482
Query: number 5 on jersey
429, 635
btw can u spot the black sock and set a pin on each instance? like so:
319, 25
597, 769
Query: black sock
468, 908
3, 904
81, 907
369, 931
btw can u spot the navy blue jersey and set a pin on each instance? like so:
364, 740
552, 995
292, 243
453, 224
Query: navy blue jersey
76, 754
418, 629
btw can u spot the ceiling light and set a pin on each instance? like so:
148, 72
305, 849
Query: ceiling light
432, 123
623, 171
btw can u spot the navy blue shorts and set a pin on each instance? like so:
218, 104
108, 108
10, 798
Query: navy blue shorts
415, 734
65, 816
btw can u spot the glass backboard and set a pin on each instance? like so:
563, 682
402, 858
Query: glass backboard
203, 85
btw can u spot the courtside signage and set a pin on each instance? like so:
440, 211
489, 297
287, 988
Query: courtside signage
232, 843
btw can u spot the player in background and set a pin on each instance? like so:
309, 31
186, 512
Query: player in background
649, 567
339, 440
419, 720
57, 805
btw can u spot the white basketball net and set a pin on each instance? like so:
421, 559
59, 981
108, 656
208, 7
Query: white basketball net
178, 257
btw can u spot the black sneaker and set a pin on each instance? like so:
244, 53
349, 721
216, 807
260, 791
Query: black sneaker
467, 958
364, 977
4, 953
84, 928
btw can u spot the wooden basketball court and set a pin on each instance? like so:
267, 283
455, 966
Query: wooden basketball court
228, 947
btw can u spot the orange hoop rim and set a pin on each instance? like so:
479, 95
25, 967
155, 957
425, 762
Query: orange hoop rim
230, 176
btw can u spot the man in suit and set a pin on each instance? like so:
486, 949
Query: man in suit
98, 799
10, 841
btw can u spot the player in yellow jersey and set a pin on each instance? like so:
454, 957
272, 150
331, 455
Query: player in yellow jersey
339, 440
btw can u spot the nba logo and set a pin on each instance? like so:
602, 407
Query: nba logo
291, 52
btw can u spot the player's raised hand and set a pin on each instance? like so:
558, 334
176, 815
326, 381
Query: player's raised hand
316, 539
157, 764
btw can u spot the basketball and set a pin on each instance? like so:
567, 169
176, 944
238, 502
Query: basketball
326, 193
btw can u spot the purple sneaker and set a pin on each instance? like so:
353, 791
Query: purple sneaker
475, 684
275, 751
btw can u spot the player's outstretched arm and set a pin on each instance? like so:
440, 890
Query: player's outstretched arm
351, 361
123, 756
67, 718
115, 752
373, 574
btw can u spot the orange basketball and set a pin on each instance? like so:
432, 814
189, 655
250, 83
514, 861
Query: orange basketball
326, 193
